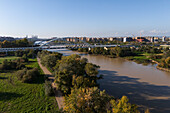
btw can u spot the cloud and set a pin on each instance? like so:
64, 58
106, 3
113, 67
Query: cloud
127, 33
158, 32
141, 31
153, 32
116, 33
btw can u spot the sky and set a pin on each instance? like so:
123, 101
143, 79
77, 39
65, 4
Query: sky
91, 18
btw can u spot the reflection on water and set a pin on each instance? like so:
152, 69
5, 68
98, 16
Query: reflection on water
144, 85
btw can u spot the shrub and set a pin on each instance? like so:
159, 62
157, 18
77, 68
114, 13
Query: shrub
1, 67
87, 100
9, 65
48, 88
123, 106
20, 66
31, 75
21, 73
165, 63
24, 57
28, 76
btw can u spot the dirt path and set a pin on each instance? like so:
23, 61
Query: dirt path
58, 94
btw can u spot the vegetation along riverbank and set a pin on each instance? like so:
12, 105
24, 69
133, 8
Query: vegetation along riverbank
142, 54
77, 80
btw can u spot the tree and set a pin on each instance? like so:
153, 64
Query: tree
24, 57
166, 53
50, 60
91, 69
17, 43
6, 44
72, 71
123, 106
28, 76
48, 88
165, 63
147, 111
87, 100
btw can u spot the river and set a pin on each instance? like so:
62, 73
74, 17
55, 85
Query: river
145, 86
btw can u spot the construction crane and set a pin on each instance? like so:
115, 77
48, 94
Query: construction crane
133, 36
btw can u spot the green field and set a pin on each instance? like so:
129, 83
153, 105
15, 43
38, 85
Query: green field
16, 97
144, 58
140, 57
8, 58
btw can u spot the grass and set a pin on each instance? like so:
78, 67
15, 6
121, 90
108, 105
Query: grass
158, 60
140, 57
8, 58
18, 97
143, 58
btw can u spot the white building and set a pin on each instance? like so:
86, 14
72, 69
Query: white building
163, 39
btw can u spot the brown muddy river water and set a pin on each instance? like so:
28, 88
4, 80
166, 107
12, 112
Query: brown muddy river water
145, 86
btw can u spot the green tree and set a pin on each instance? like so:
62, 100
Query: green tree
165, 63
123, 106
72, 71
87, 100
6, 44
91, 69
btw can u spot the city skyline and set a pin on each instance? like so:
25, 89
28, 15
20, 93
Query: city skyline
97, 18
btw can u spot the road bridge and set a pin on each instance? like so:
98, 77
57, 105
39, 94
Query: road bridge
83, 44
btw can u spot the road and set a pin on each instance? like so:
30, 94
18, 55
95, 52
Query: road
58, 95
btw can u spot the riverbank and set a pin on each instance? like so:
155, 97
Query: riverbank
139, 59
144, 61
145, 86
163, 69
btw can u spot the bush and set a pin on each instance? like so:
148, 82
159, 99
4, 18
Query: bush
28, 76
10, 65
87, 100
21, 73
48, 88
155, 56
165, 63
123, 106
24, 57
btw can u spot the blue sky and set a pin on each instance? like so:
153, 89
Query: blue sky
94, 18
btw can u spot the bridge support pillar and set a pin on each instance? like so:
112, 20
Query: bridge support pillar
6, 53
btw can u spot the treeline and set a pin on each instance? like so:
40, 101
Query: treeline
29, 53
17, 43
112, 52
148, 49
49, 59
153, 52
121, 51
77, 79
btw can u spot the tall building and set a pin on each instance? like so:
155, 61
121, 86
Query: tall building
150, 39
163, 39
127, 39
